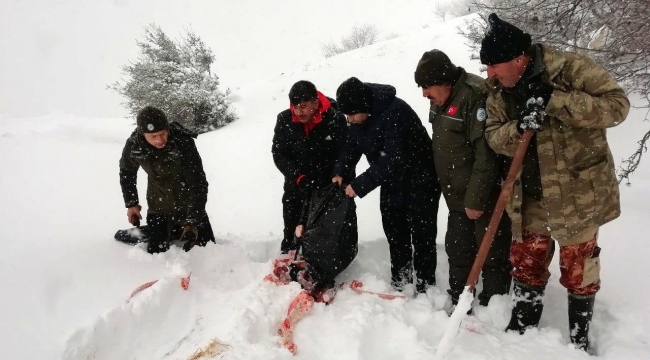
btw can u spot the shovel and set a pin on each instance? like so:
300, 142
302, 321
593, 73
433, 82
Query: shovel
465, 298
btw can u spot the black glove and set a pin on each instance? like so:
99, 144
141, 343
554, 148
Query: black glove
189, 236
532, 117
534, 113
541, 90
305, 185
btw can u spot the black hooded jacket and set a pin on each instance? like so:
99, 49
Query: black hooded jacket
396, 144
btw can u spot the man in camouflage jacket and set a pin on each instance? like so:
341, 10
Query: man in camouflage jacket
468, 171
177, 189
567, 188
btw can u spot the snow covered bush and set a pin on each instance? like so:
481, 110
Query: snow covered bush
358, 37
175, 76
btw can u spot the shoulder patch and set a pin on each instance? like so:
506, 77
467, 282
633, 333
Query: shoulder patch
481, 114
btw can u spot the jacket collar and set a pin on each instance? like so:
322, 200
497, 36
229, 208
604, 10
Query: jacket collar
554, 61
455, 87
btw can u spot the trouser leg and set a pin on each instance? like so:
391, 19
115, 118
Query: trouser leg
423, 215
496, 270
580, 267
158, 229
292, 204
396, 227
531, 257
460, 245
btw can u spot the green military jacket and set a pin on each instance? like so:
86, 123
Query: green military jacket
579, 186
176, 184
466, 166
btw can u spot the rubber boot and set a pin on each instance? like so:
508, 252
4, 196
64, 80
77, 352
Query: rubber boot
528, 307
421, 286
132, 236
581, 309
401, 277
495, 282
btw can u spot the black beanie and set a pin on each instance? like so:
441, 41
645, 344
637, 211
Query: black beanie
502, 42
151, 120
353, 97
301, 91
435, 68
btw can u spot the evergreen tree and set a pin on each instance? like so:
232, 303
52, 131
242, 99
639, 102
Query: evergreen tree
175, 76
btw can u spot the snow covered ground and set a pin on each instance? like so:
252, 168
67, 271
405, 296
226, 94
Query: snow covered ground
65, 280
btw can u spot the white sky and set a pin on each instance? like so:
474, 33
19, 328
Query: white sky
59, 55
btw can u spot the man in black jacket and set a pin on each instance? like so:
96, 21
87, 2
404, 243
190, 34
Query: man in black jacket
398, 148
177, 189
307, 140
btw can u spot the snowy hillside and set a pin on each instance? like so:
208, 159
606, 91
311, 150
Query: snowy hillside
66, 281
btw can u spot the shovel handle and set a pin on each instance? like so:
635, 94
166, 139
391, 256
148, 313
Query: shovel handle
504, 196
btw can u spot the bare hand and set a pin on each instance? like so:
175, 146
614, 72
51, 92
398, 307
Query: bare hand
133, 215
473, 214
300, 230
189, 236
337, 179
349, 191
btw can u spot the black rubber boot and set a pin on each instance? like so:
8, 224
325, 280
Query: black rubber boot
401, 276
132, 236
494, 283
421, 286
581, 309
528, 307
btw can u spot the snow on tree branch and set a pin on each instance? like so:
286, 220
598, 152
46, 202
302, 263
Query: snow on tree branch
175, 76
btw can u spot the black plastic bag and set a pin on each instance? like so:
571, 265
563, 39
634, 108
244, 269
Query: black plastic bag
330, 241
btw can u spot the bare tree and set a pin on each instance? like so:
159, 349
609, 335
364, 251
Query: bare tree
613, 33
358, 37
453, 8
331, 48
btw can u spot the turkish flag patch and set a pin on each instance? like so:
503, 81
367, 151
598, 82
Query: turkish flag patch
451, 111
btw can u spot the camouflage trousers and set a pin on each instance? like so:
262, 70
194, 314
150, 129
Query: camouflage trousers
579, 264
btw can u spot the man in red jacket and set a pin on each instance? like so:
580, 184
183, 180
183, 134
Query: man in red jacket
306, 143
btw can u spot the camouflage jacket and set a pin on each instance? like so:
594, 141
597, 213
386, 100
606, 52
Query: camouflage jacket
579, 185
466, 166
